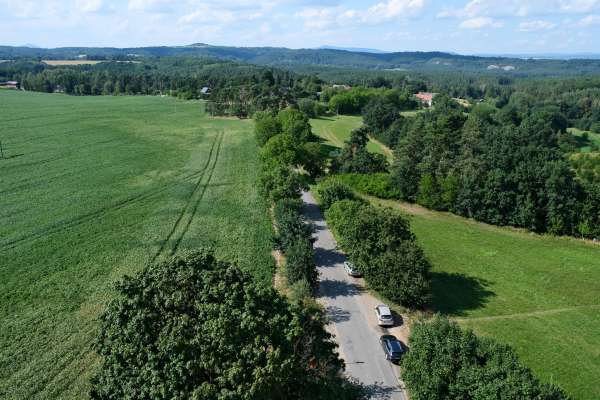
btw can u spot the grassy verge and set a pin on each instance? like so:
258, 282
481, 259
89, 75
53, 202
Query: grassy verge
96, 187
536, 293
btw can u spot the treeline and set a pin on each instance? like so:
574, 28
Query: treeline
288, 146
504, 166
447, 362
380, 243
234, 89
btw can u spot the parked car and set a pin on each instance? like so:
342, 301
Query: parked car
351, 269
392, 347
384, 315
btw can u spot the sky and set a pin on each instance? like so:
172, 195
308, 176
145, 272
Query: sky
462, 26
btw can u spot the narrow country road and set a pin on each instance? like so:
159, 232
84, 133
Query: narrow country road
351, 311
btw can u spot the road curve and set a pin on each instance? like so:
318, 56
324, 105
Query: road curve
350, 310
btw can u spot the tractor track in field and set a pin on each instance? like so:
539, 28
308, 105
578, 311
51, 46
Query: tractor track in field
203, 191
62, 225
190, 201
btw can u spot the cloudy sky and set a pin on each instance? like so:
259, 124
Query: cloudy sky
476, 26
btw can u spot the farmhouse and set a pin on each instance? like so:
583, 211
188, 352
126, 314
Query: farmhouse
9, 85
426, 98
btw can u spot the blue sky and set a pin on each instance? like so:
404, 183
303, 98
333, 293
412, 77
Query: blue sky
463, 26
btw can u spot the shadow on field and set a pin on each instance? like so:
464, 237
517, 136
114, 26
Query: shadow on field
455, 294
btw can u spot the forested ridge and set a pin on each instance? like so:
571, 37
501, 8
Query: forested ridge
434, 61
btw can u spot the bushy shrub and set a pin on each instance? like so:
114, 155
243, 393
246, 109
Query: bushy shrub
300, 264
266, 126
291, 225
379, 185
332, 190
447, 362
278, 181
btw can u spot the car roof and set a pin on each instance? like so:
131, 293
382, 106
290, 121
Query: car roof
384, 310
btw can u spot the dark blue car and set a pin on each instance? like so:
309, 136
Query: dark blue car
392, 347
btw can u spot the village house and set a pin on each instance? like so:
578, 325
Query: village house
9, 85
205, 91
426, 98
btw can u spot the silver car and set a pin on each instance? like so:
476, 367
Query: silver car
384, 315
351, 269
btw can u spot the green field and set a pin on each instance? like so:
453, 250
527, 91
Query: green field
540, 294
585, 146
94, 188
336, 130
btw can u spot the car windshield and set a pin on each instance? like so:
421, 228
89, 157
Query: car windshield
395, 346
386, 316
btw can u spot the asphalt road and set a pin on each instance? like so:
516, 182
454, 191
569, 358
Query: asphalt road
351, 312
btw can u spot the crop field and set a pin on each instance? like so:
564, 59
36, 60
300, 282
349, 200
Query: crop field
93, 188
540, 294
336, 130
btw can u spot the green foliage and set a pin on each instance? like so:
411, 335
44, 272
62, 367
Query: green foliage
355, 157
312, 159
332, 190
446, 362
296, 124
291, 225
266, 126
300, 264
503, 175
196, 327
379, 185
283, 149
380, 243
278, 181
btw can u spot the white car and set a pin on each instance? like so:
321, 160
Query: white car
384, 315
351, 269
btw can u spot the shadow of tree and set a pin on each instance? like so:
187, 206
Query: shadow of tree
335, 288
455, 294
337, 314
328, 258
380, 391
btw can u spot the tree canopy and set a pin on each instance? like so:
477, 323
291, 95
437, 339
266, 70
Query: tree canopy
195, 327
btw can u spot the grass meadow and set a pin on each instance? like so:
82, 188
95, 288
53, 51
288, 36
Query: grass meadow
93, 188
335, 130
540, 294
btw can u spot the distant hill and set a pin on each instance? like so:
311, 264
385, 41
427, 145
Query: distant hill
325, 57
355, 49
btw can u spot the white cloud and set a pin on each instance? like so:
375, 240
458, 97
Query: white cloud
392, 9
333, 17
480, 23
519, 8
89, 6
537, 25
150, 5
589, 20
